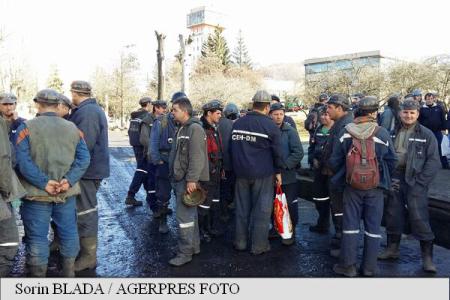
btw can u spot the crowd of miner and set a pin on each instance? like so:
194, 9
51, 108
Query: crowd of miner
225, 159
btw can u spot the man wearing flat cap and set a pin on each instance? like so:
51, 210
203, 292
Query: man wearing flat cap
52, 156
91, 120
418, 160
292, 156
64, 107
8, 104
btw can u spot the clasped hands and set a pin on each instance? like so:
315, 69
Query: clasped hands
54, 187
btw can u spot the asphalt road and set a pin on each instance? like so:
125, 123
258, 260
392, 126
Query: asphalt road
130, 245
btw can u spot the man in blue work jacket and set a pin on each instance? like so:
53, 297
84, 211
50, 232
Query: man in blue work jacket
161, 141
257, 161
91, 120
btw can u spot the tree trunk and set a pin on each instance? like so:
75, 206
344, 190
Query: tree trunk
160, 58
183, 65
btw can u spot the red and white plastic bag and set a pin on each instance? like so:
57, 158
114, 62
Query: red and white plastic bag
281, 217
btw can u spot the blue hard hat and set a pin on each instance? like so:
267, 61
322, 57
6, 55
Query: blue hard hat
230, 109
178, 95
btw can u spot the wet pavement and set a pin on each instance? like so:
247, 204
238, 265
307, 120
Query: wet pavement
130, 245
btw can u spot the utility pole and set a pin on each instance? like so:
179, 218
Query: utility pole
160, 58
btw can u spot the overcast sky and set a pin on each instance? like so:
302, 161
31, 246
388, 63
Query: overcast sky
79, 35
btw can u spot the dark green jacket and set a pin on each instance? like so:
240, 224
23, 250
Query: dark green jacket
190, 159
5, 161
144, 135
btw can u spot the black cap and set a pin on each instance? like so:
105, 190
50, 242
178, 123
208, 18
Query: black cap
276, 106
48, 96
64, 100
159, 103
369, 103
81, 86
145, 100
339, 99
275, 98
212, 105
409, 104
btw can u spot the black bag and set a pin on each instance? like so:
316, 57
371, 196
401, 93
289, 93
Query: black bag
134, 132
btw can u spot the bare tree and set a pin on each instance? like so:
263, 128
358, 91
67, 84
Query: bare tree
160, 58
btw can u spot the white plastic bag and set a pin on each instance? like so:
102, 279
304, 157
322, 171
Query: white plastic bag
281, 217
445, 146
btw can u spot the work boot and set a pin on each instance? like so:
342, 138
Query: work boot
392, 248
366, 273
88, 254
37, 270
163, 228
260, 251
162, 211
288, 242
347, 271
239, 246
68, 267
180, 259
427, 256
132, 201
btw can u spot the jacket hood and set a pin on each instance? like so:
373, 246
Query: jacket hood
191, 121
140, 114
205, 124
362, 127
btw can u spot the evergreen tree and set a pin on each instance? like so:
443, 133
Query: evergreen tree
240, 54
216, 45
54, 81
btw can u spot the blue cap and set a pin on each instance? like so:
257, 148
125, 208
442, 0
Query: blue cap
177, 95
416, 92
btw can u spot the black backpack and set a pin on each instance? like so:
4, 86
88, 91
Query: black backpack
312, 120
134, 131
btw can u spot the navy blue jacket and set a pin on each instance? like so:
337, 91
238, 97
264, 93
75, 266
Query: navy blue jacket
256, 147
290, 121
225, 127
292, 153
433, 117
384, 150
161, 139
91, 120
13, 129
333, 135
317, 143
